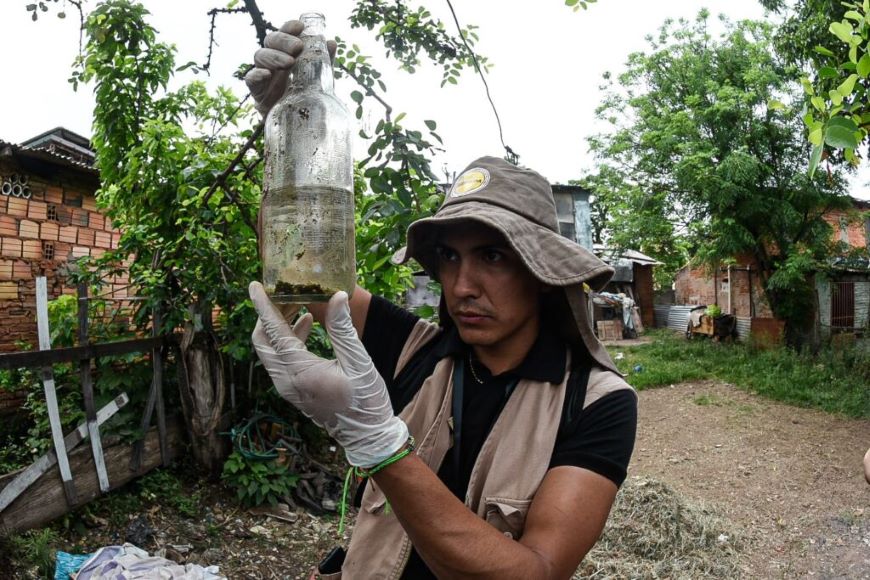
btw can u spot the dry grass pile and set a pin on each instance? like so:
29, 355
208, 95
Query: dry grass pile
654, 533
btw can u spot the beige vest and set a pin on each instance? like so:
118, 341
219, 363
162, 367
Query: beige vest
507, 473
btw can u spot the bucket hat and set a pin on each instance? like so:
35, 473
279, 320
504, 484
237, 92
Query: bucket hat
518, 203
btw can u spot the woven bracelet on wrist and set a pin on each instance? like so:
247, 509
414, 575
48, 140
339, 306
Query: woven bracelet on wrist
361, 473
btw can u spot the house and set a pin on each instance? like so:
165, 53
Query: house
48, 219
843, 295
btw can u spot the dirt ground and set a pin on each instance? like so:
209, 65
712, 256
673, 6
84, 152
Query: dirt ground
788, 478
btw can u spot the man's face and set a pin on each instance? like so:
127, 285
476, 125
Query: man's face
491, 296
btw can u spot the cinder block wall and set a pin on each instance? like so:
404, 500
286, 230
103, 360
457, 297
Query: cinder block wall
40, 236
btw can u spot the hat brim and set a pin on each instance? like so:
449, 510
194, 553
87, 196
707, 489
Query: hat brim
549, 256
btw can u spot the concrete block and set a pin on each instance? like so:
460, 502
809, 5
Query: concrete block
28, 229
96, 221
6, 269
53, 194
21, 270
68, 234
16, 206
86, 237
36, 210
49, 231
31, 249
10, 247
103, 239
8, 226
8, 290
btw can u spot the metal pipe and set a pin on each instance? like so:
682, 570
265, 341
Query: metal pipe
16, 190
14, 178
23, 179
25, 192
6, 188
729, 289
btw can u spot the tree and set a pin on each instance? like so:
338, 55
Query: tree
697, 151
181, 173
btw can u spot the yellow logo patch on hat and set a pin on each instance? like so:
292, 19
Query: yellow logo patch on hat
471, 181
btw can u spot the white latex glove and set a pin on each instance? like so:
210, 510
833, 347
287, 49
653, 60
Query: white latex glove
345, 396
267, 81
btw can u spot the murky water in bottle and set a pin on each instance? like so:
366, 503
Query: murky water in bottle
307, 243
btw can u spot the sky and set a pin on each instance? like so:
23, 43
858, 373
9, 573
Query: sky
548, 63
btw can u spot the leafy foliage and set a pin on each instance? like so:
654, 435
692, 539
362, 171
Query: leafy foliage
256, 481
695, 152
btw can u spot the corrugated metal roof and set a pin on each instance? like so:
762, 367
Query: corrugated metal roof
12, 150
608, 254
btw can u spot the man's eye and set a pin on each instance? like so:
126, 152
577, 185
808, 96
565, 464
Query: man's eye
493, 256
445, 253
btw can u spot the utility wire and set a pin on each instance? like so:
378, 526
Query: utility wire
510, 155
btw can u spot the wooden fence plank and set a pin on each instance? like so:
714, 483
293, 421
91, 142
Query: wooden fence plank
88, 392
50, 394
24, 478
44, 501
157, 362
35, 358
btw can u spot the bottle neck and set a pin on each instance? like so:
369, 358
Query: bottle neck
313, 69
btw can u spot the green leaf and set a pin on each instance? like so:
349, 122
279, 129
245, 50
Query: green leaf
847, 86
431, 125
852, 15
842, 30
570, 2
835, 97
828, 72
864, 65
356, 97
815, 158
818, 103
823, 51
816, 135
840, 137
844, 122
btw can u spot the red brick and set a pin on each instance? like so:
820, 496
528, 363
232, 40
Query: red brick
86, 237
8, 290
49, 231
28, 229
53, 194
79, 217
97, 252
89, 202
31, 249
68, 234
103, 240
10, 247
36, 210
21, 270
80, 251
8, 226
108, 227
16, 206
96, 221
62, 251
3, 201
6, 269
120, 290
116, 238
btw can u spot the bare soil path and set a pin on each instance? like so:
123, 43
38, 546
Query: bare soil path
790, 479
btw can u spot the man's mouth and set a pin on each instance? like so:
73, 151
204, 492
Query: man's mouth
470, 316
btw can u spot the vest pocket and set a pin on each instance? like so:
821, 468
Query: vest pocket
373, 499
507, 515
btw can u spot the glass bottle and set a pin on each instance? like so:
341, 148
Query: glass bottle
306, 216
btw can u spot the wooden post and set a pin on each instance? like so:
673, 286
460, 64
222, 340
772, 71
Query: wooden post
88, 393
31, 473
157, 363
155, 399
50, 394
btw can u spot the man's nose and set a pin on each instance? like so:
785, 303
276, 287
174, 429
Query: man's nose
466, 282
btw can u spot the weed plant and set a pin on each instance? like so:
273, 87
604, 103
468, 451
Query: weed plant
836, 380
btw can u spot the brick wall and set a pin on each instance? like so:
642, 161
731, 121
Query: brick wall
39, 237
702, 286
854, 234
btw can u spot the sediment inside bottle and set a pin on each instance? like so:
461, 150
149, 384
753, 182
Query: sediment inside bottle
308, 243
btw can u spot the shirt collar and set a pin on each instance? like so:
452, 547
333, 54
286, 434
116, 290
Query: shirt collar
544, 362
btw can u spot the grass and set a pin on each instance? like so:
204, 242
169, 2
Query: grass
836, 380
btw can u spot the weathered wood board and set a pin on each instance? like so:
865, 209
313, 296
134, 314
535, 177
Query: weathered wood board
45, 500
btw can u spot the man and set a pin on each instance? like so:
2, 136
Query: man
522, 430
